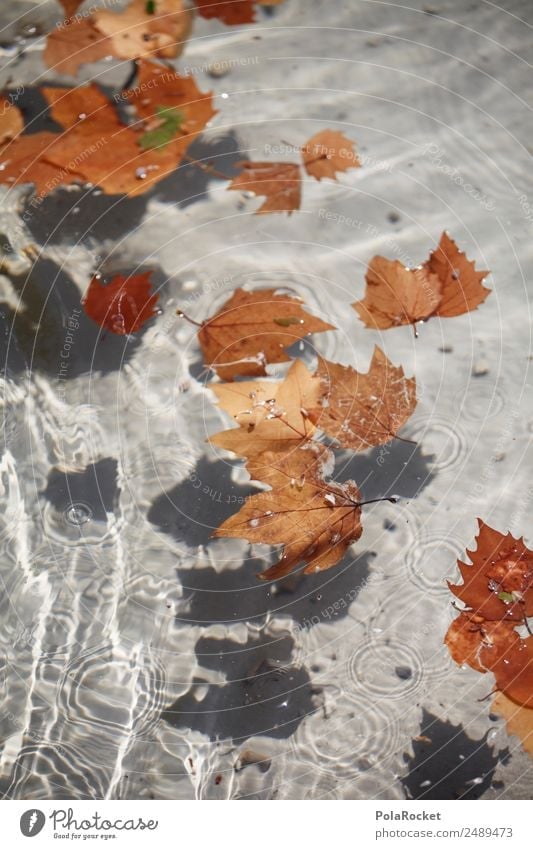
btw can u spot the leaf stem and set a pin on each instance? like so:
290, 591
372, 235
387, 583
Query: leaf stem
184, 315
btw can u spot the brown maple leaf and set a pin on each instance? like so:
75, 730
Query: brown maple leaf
279, 182
327, 152
446, 285
499, 583
159, 28
363, 410
123, 305
96, 147
519, 719
76, 43
253, 329
315, 520
271, 415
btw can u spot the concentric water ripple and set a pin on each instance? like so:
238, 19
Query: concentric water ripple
432, 560
442, 437
387, 669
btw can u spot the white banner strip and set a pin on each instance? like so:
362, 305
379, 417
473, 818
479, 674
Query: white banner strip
358, 824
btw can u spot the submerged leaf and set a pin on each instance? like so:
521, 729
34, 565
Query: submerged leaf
122, 306
278, 182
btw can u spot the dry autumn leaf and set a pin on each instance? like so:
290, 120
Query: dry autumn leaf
328, 152
363, 410
123, 305
519, 720
156, 28
76, 43
253, 329
279, 182
145, 28
232, 12
499, 583
315, 520
446, 285
96, 147
271, 415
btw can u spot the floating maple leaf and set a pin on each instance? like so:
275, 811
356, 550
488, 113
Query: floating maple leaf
328, 152
96, 147
362, 410
155, 28
499, 583
271, 415
253, 329
123, 305
279, 182
315, 520
445, 285
232, 12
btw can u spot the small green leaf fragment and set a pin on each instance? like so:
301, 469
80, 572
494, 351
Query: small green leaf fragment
172, 119
150, 7
286, 322
506, 597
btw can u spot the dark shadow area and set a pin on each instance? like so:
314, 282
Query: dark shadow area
263, 693
189, 182
237, 595
95, 487
447, 764
397, 468
192, 510
50, 332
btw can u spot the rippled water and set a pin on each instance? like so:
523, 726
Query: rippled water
141, 659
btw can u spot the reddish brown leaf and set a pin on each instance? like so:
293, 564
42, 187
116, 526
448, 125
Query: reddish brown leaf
470, 636
513, 669
446, 285
272, 416
499, 583
278, 182
253, 329
123, 305
230, 12
328, 152
362, 410
315, 520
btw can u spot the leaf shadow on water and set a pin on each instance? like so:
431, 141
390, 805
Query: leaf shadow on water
448, 764
95, 487
50, 333
263, 693
77, 214
398, 468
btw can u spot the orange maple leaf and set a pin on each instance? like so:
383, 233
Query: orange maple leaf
446, 285
326, 153
499, 583
315, 520
362, 410
253, 329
